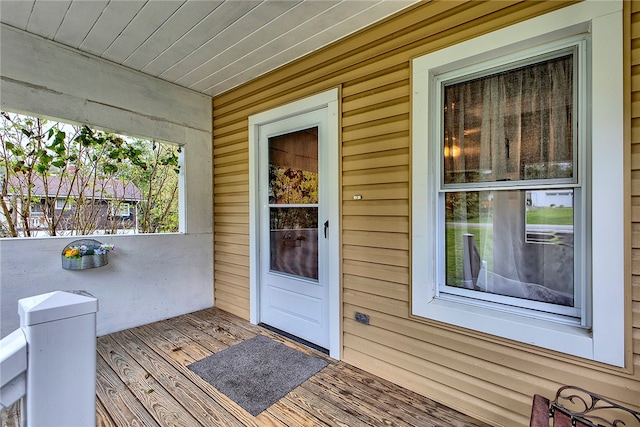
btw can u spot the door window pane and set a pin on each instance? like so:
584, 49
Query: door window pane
294, 241
293, 203
293, 168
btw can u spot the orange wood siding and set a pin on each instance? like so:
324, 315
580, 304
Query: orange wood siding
489, 378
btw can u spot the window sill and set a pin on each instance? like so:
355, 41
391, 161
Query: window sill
547, 334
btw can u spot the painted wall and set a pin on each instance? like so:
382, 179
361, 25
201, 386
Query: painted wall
149, 277
489, 378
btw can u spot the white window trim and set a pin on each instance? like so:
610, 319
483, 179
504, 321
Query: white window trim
60, 204
121, 209
605, 342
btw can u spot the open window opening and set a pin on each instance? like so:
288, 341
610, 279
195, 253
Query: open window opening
58, 179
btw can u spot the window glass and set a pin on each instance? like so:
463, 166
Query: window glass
516, 244
512, 125
63, 204
293, 203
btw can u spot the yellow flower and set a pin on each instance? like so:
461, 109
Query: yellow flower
72, 252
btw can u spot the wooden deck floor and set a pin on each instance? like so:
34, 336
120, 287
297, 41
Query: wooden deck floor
142, 380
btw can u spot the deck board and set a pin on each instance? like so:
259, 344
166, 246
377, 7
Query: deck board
143, 380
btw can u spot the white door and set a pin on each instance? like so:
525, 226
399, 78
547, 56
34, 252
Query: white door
294, 226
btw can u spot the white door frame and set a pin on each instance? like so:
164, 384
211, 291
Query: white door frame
328, 100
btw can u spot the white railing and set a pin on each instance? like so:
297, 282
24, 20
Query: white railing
50, 361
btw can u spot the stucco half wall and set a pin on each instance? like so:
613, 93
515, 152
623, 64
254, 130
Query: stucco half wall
149, 277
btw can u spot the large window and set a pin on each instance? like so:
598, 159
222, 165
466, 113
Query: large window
510, 186
517, 183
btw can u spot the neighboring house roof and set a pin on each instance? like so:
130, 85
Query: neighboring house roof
105, 189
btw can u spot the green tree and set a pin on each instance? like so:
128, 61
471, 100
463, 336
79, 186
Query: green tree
77, 179
159, 186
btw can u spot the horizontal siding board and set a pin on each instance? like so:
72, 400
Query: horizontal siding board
375, 239
377, 207
376, 144
238, 270
228, 297
395, 107
231, 138
635, 130
451, 367
376, 176
241, 147
397, 90
234, 157
231, 249
380, 127
234, 188
240, 239
237, 284
376, 287
536, 373
231, 169
382, 224
388, 273
635, 157
437, 357
231, 259
635, 26
221, 178
399, 190
232, 198
395, 74
377, 160
238, 209
232, 219
376, 255
233, 128
230, 305
221, 227
388, 306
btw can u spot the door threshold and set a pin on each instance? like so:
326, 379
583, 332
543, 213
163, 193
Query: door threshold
294, 338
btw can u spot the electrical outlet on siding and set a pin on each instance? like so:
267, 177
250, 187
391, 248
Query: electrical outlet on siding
362, 318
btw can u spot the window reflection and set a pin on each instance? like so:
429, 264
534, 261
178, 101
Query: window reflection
513, 243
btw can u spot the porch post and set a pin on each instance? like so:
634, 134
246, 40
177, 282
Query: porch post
60, 328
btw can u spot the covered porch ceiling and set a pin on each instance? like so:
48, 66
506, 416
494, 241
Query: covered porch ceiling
204, 45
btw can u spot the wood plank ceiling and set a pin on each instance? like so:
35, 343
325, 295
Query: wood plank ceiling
207, 46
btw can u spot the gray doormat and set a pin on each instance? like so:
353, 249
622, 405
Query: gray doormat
258, 372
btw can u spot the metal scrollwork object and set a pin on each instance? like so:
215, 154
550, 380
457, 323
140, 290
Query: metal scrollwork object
585, 408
